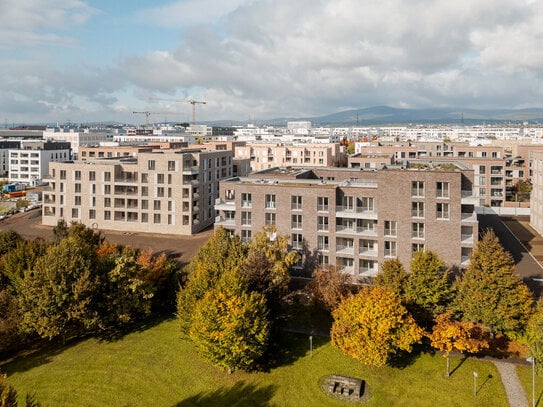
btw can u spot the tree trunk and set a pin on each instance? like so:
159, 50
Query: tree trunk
448, 365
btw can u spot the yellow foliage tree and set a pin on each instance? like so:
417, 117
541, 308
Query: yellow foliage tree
449, 335
373, 325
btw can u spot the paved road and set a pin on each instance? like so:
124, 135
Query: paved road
524, 245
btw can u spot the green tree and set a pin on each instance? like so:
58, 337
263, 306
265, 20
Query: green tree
8, 241
427, 292
393, 277
534, 335
219, 254
449, 335
10, 318
230, 326
21, 258
488, 292
57, 296
330, 287
373, 325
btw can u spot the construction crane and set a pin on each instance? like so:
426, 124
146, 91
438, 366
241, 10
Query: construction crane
147, 114
191, 101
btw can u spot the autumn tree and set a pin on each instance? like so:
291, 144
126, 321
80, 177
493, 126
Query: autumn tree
219, 254
330, 287
427, 291
534, 335
393, 277
373, 325
230, 326
490, 293
449, 335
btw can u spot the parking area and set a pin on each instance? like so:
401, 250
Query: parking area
182, 248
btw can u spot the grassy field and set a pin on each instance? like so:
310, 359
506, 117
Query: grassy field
154, 367
525, 375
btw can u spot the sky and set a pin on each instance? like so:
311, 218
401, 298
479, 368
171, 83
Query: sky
95, 61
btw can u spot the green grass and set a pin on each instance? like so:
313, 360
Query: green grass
154, 367
525, 375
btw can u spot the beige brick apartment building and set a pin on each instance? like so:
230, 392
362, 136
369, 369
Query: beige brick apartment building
171, 192
356, 219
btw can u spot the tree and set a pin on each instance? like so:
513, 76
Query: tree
10, 337
392, 277
373, 325
19, 259
8, 241
488, 292
449, 335
219, 254
427, 292
230, 326
57, 296
534, 335
8, 395
330, 287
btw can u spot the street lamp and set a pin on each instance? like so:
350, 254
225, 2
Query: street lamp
475, 383
531, 360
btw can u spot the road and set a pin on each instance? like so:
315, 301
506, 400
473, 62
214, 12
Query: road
524, 244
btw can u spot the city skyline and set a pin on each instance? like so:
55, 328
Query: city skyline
85, 61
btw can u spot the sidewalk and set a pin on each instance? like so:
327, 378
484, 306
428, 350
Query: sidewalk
511, 383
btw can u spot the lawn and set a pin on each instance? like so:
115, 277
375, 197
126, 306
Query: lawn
154, 367
525, 375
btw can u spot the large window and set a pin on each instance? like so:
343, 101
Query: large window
367, 204
390, 249
246, 218
323, 243
443, 190
246, 201
270, 218
442, 210
296, 202
322, 203
417, 188
417, 209
296, 222
322, 223
270, 201
391, 228
417, 230
297, 241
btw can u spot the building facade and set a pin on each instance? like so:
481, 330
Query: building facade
169, 192
354, 219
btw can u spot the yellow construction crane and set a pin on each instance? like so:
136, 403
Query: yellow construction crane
191, 101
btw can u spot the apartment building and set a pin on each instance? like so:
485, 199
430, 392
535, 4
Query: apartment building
356, 219
269, 155
536, 198
30, 162
117, 150
170, 192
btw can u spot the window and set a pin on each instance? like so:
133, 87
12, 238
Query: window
322, 203
323, 243
160, 192
367, 247
107, 176
107, 202
151, 164
107, 189
144, 217
171, 165
156, 218
77, 200
144, 178
494, 154
417, 230
245, 236
442, 189
390, 228
156, 205
322, 260
442, 211
482, 191
62, 174
107, 215
170, 219
144, 204
390, 249
482, 169
246, 200
367, 204
270, 219
92, 176
169, 179
417, 209
144, 191
92, 213
322, 223
246, 218
160, 178
296, 202
77, 188
482, 180
415, 247
417, 188
75, 212
297, 240
77, 175
270, 201
296, 222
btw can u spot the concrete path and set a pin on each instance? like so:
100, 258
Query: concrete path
513, 388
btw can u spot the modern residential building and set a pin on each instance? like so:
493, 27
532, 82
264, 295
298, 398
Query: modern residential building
357, 219
536, 199
170, 191
30, 162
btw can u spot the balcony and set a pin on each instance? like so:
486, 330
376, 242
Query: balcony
229, 205
358, 231
191, 170
365, 252
126, 180
464, 261
367, 271
466, 238
469, 217
469, 198
345, 249
355, 212
219, 220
